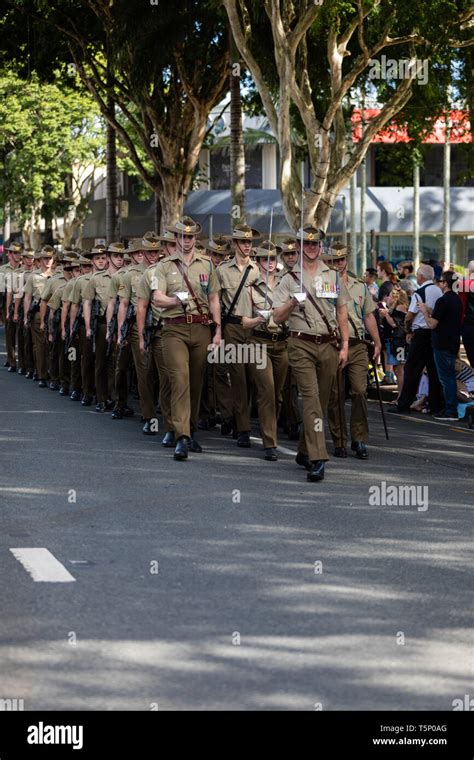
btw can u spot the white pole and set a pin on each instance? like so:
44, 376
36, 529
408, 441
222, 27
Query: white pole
363, 233
353, 215
301, 235
211, 219
416, 216
446, 194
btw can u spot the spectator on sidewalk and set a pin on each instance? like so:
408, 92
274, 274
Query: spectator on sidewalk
420, 351
386, 274
396, 346
445, 322
370, 279
466, 293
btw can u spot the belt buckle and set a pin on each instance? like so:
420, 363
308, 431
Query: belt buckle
189, 319
274, 337
317, 340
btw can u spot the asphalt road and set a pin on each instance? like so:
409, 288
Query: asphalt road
228, 582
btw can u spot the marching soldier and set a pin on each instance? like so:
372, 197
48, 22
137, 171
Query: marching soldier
313, 301
57, 280
217, 393
96, 290
145, 304
59, 305
76, 316
33, 293
9, 278
25, 346
187, 291
361, 308
269, 375
235, 277
290, 414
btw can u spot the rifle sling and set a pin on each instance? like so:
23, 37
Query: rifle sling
179, 264
331, 331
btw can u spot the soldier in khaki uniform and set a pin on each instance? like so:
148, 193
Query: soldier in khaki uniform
57, 280
97, 288
188, 293
127, 293
314, 309
240, 269
145, 288
123, 355
25, 346
58, 306
10, 284
33, 293
290, 417
361, 317
86, 348
217, 393
70, 335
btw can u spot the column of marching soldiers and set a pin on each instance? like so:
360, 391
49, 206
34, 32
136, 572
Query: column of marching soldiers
219, 327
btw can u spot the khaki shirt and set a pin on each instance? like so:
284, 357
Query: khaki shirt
6, 278
36, 284
145, 291
128, 284
230, 276
327, 289
80, 284
115, 282
360, 305
55, 301
52, 285
202, 275
98, 287
257, 294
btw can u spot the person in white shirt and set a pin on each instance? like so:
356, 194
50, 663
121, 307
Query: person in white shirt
420, 351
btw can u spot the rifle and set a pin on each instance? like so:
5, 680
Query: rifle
127, 326
74, 330
56, 324
95, 312
112, 327
34, 307
46, 324
148, 331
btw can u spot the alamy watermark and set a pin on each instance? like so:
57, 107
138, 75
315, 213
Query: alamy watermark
384, 495
401, 68
238, 353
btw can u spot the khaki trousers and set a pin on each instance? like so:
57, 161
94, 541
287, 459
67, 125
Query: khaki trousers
165, 384
87, 363
268, 376
122, 366
357, 373
239, 377
315, 369
145, 377
40, 348
185, 351
10, 339
21, 345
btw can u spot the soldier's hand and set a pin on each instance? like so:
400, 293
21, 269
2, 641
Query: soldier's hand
50, 338
88, 333
141, 345
377, 352
63, 334
42, 326
15, 318
343, 356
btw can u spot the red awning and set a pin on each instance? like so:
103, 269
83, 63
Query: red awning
460, 129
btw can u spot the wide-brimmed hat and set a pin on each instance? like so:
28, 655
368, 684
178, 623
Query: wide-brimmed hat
336, 251
167, 237
219, 245
28, 253
244, 232
185, 226
85, 260
47, 252
311, 233
135, 245
289, 245
151, 242
266, 249
14, 247
116, 248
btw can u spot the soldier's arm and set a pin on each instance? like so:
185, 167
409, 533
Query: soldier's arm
110, 309
343, 322
122, 313
26, 306
43, 307
87, 306
73, 313
64, 310
142, 306
371, 327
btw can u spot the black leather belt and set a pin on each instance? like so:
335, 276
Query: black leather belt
317, 339
232, 320
270, 337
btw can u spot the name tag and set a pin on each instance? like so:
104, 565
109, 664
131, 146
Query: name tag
325, 289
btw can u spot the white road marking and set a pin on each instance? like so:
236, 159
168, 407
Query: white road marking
42, 566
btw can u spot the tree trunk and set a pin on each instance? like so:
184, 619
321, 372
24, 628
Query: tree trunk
6, 224
111, 200
237, 150
171, 200
157, 212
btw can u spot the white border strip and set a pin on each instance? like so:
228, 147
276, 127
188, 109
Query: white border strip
42, 566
